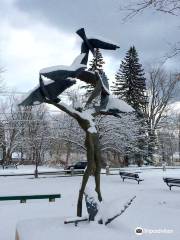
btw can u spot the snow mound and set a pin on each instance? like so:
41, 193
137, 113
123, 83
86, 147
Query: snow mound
55, 229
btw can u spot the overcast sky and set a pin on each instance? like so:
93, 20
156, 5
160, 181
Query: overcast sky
40, 33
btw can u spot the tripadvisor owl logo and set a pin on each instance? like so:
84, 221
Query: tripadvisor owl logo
138, 231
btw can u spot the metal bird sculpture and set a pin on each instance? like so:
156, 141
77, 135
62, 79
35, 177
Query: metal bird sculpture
59, 73
49, 90
100, 84
89, 44
88, 77
101, 89
64, 76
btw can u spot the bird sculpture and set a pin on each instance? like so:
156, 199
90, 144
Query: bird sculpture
63, 77
89, 44
49, 90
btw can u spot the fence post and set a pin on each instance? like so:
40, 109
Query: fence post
164, 166
72, 171
107, 170
36, 173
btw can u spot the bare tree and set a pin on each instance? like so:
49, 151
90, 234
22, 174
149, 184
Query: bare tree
171, 7
23, 131
10, 127
34, 132
2, 142
167, 139
161, 88
2, 131
65, 142
167, 6
119, 135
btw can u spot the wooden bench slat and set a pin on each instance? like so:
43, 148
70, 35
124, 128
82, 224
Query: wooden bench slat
29, 197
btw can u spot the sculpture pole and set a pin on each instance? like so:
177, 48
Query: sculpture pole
92, 147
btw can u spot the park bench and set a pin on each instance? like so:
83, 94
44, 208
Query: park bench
11, 165
172, 182
133, 176
23, 198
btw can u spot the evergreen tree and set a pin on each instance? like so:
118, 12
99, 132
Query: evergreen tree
130, 83
95, 64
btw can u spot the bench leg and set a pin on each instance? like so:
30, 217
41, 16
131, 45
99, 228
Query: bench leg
123, 179
138, 182
169, 186
23, 201
51, 199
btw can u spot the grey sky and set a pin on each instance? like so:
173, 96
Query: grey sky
38, 33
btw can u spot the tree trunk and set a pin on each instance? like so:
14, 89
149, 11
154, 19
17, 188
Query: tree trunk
151, 145
36, 163
3, 154
8, 157
126, 161
68, 153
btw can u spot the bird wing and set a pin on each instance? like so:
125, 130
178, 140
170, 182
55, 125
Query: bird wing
95, 93
33, 98
104, 82
54, 89
59, 73
78, 62
86, 46
49, 90
91, 43
96, 43
56, 73
88, 77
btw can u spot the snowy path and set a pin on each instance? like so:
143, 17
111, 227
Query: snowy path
156, 207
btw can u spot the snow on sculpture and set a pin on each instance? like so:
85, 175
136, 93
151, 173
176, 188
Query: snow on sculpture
59, 73
63, 77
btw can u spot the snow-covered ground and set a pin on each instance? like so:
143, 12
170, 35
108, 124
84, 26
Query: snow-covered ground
26, 169
155, 208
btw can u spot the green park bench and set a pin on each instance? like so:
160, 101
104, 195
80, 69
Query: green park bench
23, 198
